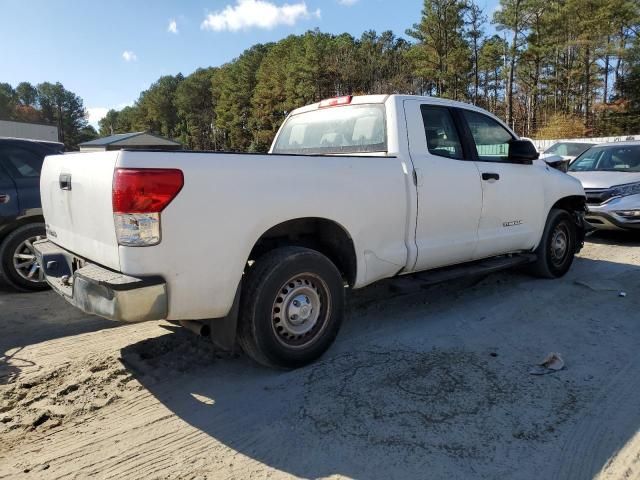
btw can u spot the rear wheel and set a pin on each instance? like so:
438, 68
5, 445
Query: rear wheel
558, 246
291, 307
18, 258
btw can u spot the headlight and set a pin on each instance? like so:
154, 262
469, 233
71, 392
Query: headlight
629, 214
625, 190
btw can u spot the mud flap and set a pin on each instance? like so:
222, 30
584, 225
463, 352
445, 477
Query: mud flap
224, 330
583, 229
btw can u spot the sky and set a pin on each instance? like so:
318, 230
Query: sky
107, 52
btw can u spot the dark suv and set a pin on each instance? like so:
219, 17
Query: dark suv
21, 220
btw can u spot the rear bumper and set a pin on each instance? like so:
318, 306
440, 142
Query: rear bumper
99, 291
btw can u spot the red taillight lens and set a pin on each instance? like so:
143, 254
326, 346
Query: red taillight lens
336, 102
145, 190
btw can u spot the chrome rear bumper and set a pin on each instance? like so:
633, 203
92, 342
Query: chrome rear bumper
99, 291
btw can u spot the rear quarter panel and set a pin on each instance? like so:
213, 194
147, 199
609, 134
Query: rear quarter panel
229, 200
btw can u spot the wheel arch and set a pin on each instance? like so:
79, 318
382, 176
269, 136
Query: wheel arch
576, 205
571, 203
20, 222
321, 234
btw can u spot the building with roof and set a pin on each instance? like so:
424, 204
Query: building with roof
29, 130
135, 140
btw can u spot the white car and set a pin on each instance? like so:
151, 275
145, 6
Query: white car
610, 174
259, 248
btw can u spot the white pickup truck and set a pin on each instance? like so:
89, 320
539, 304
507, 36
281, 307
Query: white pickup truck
259, 250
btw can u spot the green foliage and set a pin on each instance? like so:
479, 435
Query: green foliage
27, 94
194, 108
563, 126
7, 100
441, 55
108, 125
50, 103
65, 109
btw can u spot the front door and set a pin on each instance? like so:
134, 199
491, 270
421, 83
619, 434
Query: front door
513, 193
448, 183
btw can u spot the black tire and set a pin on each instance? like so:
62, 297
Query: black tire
286, 286
14, 241
553, 261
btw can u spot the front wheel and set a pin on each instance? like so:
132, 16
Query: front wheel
291, 307
558, 246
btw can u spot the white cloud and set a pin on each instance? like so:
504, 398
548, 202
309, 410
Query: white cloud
96, 114
173, 26
129, 56
347, 3
246, 14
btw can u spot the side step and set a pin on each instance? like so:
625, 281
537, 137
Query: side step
480, 267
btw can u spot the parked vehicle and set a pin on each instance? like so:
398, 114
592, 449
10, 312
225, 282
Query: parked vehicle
561, 154
610, 174
355, 189
21, 221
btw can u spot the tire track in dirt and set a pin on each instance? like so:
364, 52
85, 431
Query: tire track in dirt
612, 419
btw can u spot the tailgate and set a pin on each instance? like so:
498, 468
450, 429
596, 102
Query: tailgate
76, 202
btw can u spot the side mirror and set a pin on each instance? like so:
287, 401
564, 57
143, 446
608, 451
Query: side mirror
558, 163
522, 151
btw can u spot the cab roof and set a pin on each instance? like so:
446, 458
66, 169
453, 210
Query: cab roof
373, 99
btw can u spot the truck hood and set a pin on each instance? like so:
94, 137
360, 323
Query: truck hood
552, 157
605, 179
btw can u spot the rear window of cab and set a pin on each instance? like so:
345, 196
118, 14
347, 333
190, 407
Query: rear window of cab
335, 130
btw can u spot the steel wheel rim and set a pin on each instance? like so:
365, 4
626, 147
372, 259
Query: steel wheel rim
559, 246
25, 262
300, 310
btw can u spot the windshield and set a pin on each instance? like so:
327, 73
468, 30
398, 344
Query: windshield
623, 158
568, 149
352, 129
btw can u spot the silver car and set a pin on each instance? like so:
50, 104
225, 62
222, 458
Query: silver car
610, 175
561, 154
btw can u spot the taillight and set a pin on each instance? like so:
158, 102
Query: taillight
336, 102
138, 197
145, 190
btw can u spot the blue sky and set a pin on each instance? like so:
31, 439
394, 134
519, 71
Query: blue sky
109, 51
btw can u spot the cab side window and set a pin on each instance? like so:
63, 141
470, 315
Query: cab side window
491, 138
441, 133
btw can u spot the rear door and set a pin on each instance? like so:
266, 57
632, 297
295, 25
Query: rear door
513, 193
448, 183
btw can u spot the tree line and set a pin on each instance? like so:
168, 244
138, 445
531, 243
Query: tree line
549, 68
49, 103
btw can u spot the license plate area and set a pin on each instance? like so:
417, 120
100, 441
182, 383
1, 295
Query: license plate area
59, 266
77, 263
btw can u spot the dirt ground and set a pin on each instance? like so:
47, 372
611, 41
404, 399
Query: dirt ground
422, 383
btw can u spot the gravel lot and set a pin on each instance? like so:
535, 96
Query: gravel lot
422, 383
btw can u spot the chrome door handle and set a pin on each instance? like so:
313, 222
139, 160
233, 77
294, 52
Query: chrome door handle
4, 198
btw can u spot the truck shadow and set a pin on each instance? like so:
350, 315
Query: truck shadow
627, 239
426, 379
